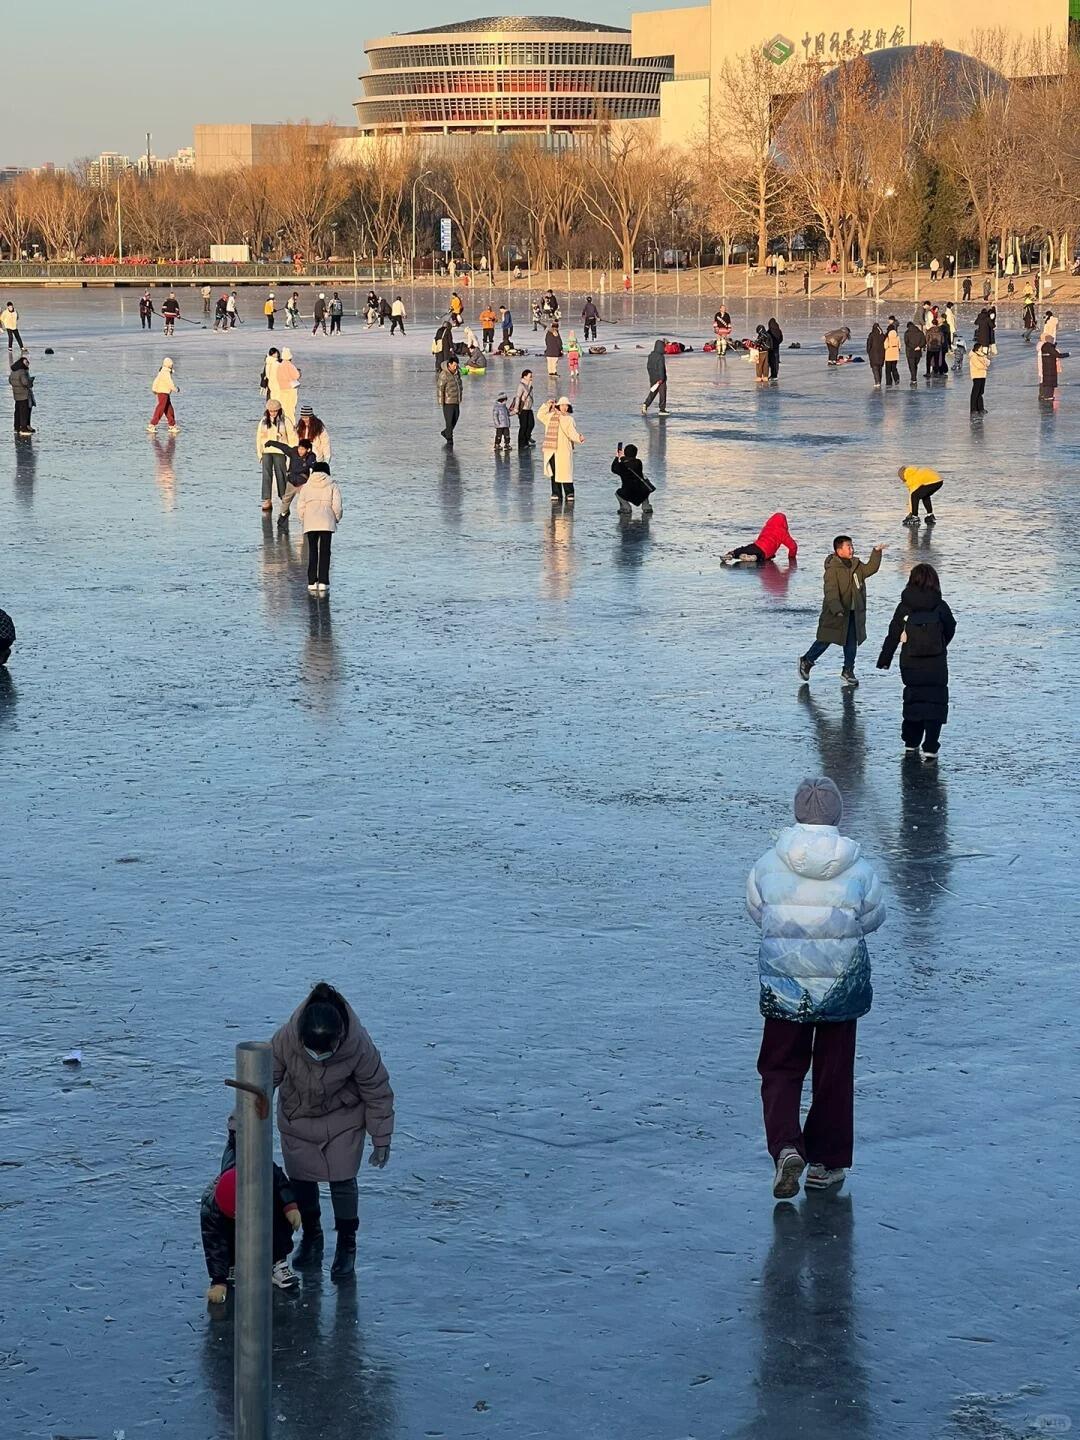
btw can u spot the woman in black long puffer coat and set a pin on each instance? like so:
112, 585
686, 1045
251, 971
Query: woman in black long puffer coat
923, 626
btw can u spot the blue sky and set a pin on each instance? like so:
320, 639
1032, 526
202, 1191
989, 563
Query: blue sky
95, 76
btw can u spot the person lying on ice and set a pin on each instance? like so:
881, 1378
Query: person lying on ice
774, 533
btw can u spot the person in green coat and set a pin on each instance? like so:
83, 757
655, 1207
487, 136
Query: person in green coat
843, 610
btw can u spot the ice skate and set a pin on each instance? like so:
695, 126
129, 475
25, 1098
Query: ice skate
911, 521
931, 519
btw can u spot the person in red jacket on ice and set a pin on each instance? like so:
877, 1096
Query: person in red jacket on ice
774, 533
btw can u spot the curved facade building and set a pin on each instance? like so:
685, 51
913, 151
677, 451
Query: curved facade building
513, 75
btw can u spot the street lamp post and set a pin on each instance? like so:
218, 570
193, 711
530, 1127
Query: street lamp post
422, 176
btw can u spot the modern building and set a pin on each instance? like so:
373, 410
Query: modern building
792, 33
221, 148
513, 75
107, 168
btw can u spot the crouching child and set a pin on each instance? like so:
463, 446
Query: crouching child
217, 1219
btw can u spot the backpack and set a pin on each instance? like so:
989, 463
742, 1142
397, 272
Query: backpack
924, 637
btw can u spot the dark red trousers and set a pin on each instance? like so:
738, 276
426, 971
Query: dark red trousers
788, 1051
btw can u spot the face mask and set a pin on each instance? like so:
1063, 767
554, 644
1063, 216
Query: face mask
319, 1054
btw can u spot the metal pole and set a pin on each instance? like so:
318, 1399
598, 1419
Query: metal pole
253, 1308
119, 226
916, 276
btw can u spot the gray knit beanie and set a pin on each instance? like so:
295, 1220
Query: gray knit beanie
818, 802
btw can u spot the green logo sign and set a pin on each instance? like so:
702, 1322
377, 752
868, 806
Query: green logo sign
779, 49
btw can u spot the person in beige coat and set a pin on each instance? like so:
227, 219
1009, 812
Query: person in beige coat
319, 507
286, 385
273, 426
164, 388
333, 1091
560, 437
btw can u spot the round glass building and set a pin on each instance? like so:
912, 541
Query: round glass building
512, 74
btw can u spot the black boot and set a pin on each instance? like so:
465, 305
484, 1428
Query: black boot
310, 1250
344, 1265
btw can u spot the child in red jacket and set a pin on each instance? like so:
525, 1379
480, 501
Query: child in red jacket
774, 533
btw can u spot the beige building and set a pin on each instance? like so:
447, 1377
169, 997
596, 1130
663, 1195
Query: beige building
792, 32
220, 148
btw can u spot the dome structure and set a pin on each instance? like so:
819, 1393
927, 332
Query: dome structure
950, 84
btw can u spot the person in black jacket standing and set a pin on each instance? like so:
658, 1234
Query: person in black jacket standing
657, 368
875, 352
914, 344
22, 388
923, 627
774, 353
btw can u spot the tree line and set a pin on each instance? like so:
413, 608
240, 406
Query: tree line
929, 158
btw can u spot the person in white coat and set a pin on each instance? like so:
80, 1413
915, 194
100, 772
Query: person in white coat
319, 506
561, 435
286, 385
277, 428
815, 899
163, 389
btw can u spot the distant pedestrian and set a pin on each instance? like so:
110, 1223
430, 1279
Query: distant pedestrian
267, 380
561, 436
335, 310
573, 355
287, 385
22, 391
397, 315
922, 484
892, 353
815, 900
506, 324
274, 438
1031, 324
979, 366
386, 311
299, 459
656, 367
146, 311
875, 352
635, 488
292, 310
487, 328
935, 348
319, 507
522, 407
448, 391
553, 350
318, 314
1050, 358
442, 347
231, 310
270, 310
965, 289
205, 292
170, 312
164, 387
834, 341
923, 627
221, 313
457, 310
868, 283
762, 345
537, 318
843, 611
500, 418
777, 337
590, 316
935, 266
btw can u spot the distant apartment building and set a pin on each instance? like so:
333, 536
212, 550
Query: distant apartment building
221, 148
107, 168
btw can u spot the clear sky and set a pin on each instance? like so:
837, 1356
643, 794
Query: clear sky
93, 75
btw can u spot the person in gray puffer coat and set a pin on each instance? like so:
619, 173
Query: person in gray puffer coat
333, 1089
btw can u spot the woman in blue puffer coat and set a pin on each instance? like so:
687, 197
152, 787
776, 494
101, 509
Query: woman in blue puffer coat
815, 900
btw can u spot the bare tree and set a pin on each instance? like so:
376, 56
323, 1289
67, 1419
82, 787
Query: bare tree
618, 171
16, 215
741, 151
460, 183
62, 209
306, 184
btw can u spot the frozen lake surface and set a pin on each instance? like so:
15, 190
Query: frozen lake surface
503, 788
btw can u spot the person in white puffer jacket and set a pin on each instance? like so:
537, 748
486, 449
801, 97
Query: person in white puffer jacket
815, 899
319, 507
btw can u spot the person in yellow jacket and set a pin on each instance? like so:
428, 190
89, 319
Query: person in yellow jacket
269, 310
921, 484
